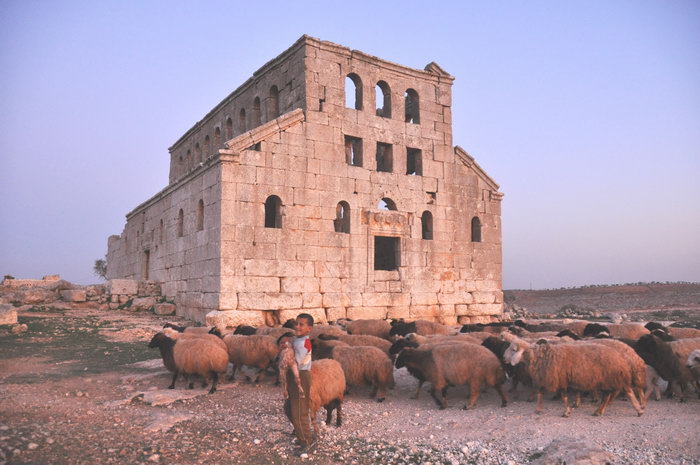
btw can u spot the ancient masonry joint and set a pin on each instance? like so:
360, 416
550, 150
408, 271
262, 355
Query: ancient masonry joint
326, 183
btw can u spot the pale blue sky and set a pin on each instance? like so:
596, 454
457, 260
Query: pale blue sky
586, 113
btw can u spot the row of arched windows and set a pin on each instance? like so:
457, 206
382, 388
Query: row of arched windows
341, 223
181, 220
382, 99
204, 151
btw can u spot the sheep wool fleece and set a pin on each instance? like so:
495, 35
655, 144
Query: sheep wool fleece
296, 407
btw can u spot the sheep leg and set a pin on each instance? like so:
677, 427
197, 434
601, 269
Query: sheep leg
380, 392
172, 384
514, 382
577, 402
669, 390
633, 400
499, 390
607, 398
565, 399
338, 413
473, 395
420, 385
214, 382
442, 403
233, 372
538, 407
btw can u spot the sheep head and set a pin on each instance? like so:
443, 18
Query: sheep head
514, 353
694, 360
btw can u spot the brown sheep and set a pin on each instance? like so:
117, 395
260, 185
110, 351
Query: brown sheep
275, 333
421, 327
683, 333
321, 349
257, 351
366, 366
327, 390
175, 335
379, 328
360, 340
682, 349
330, 330
583, 367
198, 356
447, 365
435, 338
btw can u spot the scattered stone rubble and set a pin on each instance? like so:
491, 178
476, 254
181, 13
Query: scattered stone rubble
126, 294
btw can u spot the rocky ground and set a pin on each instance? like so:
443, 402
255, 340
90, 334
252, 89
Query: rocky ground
80, 386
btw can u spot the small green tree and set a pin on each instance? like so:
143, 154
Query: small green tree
100, 268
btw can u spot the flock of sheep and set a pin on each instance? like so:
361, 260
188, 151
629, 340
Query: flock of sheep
577, 358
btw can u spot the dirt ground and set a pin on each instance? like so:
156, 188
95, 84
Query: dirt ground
66, 389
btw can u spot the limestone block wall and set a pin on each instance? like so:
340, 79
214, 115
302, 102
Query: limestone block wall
152, 248
275, 89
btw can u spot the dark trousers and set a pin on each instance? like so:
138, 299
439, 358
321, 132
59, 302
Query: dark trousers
297, 407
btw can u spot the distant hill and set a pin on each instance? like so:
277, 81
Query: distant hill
627, 297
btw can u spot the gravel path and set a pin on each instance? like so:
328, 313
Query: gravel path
76, 409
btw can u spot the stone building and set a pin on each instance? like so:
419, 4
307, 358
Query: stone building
326, 183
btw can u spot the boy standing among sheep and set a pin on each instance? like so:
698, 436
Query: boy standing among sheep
297, 404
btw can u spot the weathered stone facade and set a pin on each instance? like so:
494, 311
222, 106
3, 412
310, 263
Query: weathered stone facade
283, 199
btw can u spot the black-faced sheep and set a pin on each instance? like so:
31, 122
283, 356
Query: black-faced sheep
493, 328
197, 356
662, 357
378, 328
245, 330
619, 330
257, 351
366, 366
568, 333
675, 332
327, 390
421, 327
448, 365
194, 329
579, 366
176, 335
517, 373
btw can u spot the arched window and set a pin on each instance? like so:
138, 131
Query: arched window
353, 91
412, 107
217, 138
180, 223
200, 215
197, 153
386, 204
476, 229
229, 129
383, 99
426, 221
207, 148
160, 232
273, 212
241, 121
257, 118
342, 218
273, 103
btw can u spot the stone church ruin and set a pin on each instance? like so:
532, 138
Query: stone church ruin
326, 183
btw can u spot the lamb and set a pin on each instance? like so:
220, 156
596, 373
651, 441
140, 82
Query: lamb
287, 362
378, 328
327, 390
447, 365
422, 327
583, 367
365, 365
192, 356
360, 340
256, 351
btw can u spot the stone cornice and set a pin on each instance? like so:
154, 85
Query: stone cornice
262, 132
469, 161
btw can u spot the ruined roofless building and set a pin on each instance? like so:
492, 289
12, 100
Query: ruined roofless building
326, 183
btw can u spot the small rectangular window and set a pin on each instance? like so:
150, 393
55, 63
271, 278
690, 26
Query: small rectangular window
353, 150
384, 157
387, 254
414, 161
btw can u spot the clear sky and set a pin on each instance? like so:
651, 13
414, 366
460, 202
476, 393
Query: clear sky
586, 113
